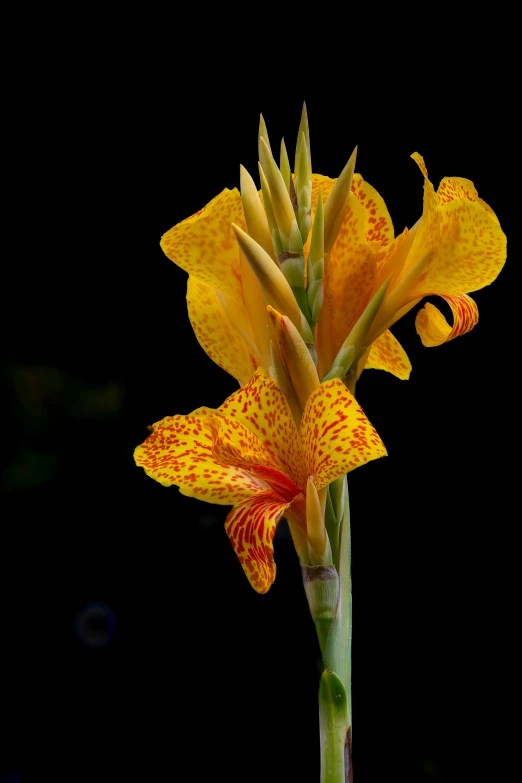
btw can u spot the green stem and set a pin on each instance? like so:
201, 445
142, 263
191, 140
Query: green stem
334, 729
329, 593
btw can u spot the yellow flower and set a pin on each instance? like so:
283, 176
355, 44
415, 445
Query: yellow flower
225, 303
248, 453
456, 247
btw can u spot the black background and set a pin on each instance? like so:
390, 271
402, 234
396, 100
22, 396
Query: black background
202, 678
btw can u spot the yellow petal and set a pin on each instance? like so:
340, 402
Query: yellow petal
204, 244
180, 451
349, 281
219, 339
488, 209
461, 236
251, 526
326, 183
388, 354
378, 224
432, 327
469, 254
456, 189
262, 408
427, 230
337, 437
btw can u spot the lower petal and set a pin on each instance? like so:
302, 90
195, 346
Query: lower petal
388, 354
262, 408
251, 526
432, 327
219, 339
349, 281
336, 435
180, 451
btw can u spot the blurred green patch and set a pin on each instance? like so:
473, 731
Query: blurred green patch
49, 407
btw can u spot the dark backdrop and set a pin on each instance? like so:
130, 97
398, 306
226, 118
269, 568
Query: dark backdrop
134, 648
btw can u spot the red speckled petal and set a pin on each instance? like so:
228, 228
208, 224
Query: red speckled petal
262, 408
337, 437
325, 183
205, 246
456, 189
378, 224
180, 451
461, 233
251, 526
432, 327
388, 354
349, 280
470, 251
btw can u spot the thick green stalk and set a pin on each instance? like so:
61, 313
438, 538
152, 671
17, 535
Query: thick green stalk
334, 730
329, 593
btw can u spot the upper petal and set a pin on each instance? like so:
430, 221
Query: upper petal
262, 408
337, 437
251, 526
204, 244
469, 254
225, 345
432, 327
180, 451
388, 354
349, 281
456, 189
378, 223
460, 236
325, 184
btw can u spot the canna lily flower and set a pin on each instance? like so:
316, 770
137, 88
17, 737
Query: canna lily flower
456, 247
249, 453
225, 302
366, 278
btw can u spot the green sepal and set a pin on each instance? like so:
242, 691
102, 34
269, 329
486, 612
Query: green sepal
332, 528
337, 490
303, 129
315, 292
342, 363
317, 242
304, 191
337, 203
361, 328
267, 201
295, 240
318, 268
302, 300
292, 267
263, 134
284, 165
276, 240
